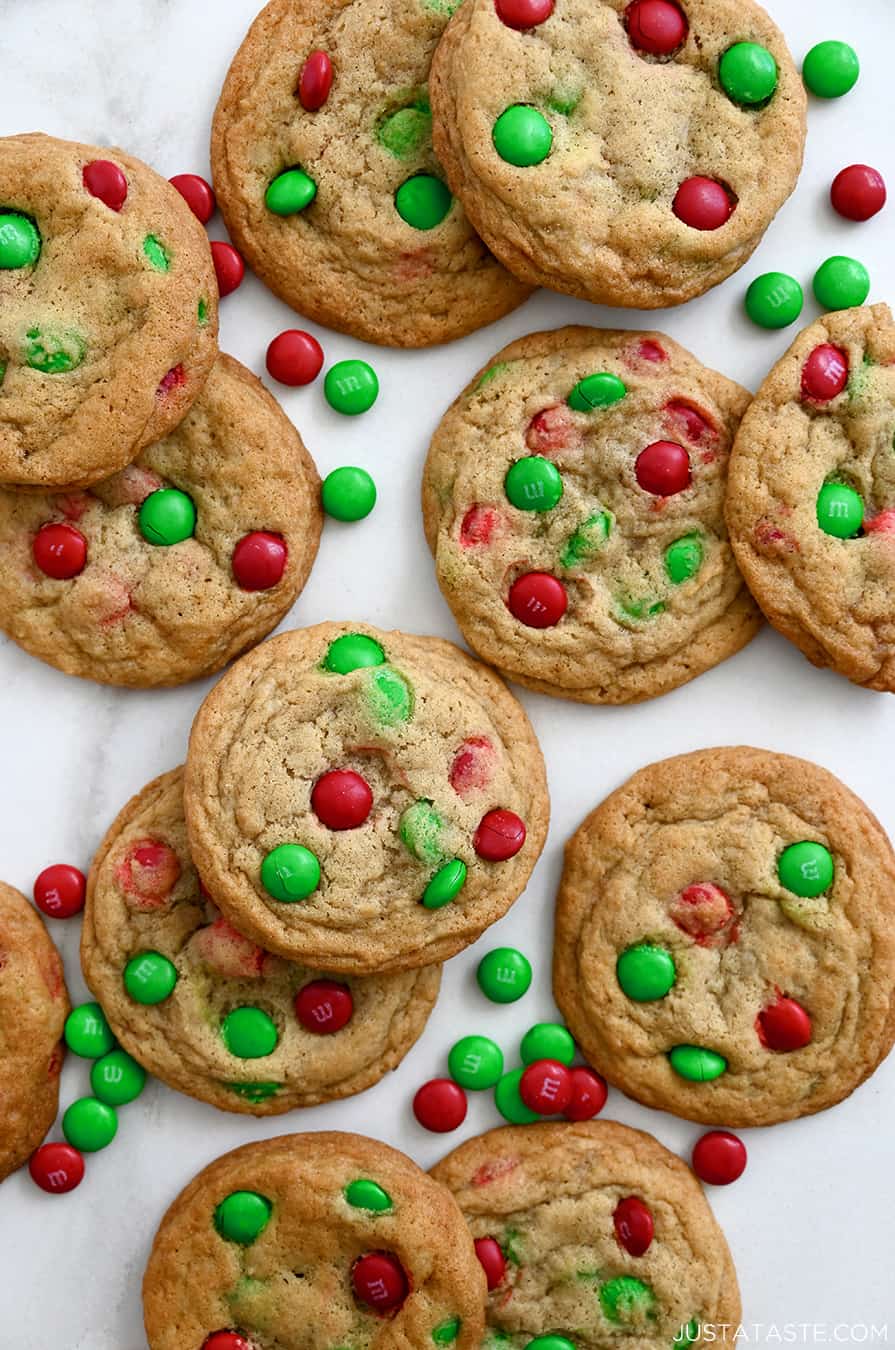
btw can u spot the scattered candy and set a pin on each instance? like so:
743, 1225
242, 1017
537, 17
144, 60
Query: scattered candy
546, 1087
290, 872
858, 192
840, 510
294, 358
683, 558
703, 203
825, 373
547, 1040
774, 300
348, 494
783, 1025
60, 551
589, 1093
315, 81
475, 1062
89, 1125
633, 1223
352, 651
663, 469
599, 390
324, 1007
242, 1216
197, 194
656, 26
105, 180
87, 1032
229, 267
831, 69
522, 14
117, 1079
249, 1033
446, 885
341, 799
167, 517
259, 561
748, 74
522, 136
423, 201
369, 1195
440, 1105
719, 1158
509, 1101
504, 975
500, 835
696, 1063
19, 241
840, 283
537, 599
59, 891
646, 972
56, 1168
806, 868
533, 484
290, 192
351, 387
150, 978
492, 1260
379, 1281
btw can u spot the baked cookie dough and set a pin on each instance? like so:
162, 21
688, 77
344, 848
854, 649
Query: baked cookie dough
595, 165
33, 1008
241, 1029
363, 801
725, 938
324, 171
573, 499
594, 1236
176, 564
311, 1241
811, 500
108, 310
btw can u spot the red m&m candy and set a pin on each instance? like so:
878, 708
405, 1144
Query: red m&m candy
197, 194
315, 81
105, 180
784, 1025
719, 1157
379, 1281
341, 799
440, 1105
655, 26
491, 1259
546, 1087
538, 600
703, 203
229, 267
523, 13
59, 891
500, 835
825, 373
56, 1168
633, 1223
259, 560
473, 766
323, 1007
60, 551
226, 1340
858, 192
589, 1093
663, 469
294, 357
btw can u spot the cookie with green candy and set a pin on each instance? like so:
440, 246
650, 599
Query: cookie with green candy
325, 174
725, 938
165, 571
33, 1009
573, 499
590, 1235
312, 1241
206, 1009
108, 310
363, 801
811, 501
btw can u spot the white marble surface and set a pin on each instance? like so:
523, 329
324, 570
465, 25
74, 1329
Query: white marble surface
810, 1222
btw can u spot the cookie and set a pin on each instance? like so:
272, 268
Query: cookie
573, 499
313, 1241
33, 1008
241, 1029
173, 566
324, 171
596, 165
108, 310
725, 938
363, 801
593, 1235
811, 500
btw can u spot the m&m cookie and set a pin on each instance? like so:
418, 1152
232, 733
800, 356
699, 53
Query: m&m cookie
326, 177
573, 499
725, 938
108, 310
313, 1240
207, 1010
591, 1235
33, 1008
363, 801
630, 153
176, 564
811, 501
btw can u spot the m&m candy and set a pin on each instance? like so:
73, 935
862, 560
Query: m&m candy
748, 74
290, 872
19, 241
633, 1222
105, 181
352, 651
290, 192
663, 469
89, 1125
547, 1040
646, 972
703, 203
522, 136
59, 891
341, 799
259, 560
367, 1194
500, 836
351, 387
324, 1007
508, 1100
117, 1079
774, 300
60, 551
56, 1168
538, 600
150, 978
523, 14
783, 1025
475, 1062
167, 516
229, 267
841, 283
249, 1033
446, 885
294, 357
825, 373
504, 975
348, 493
719, 1158
806, 868
840, 510
533, 484
197, 194
697, 1063
589, 1093
315, 80
492, 1260
440, 1105
87, 1032
242, 1217
546, 1087
226, 1340
379, 1281
423, 201
831, 69
657, 27
858, 192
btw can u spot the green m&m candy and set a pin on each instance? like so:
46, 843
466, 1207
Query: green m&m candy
420, 830
351, 651
504, 975
509, 1102
841, 282
242, 1217
390, 697
696, 1063
446, 884
774, 300
254, 1092
406, 131
53, 352
627, 1300
645, 972
150, 978
547, 1040
522, 136
158, 255
806, 868
290, 872
475, 1062
683, 558
586, 540
423, 201
599, 390
367, 1194
89, 1125
290, 192
748, 74
19, 240
550, 1343
447, 1332
351, 387
831, 69
117, 1079
87, 1033
840, 510
249, 1033
348, 493
533, 484
167, 517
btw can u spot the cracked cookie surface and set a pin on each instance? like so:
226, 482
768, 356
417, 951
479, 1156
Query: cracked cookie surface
142, 613
299, 1275
647, 592
725, 946
108, 310
432, 759
144, 895
555, 1200
811, 505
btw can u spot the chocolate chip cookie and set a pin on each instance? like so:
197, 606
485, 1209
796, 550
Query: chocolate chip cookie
605, 155
209, 1011
811, 501
108, 310
173, 566
725, 938
363, 801
311, 1241
573, 499
324, 171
